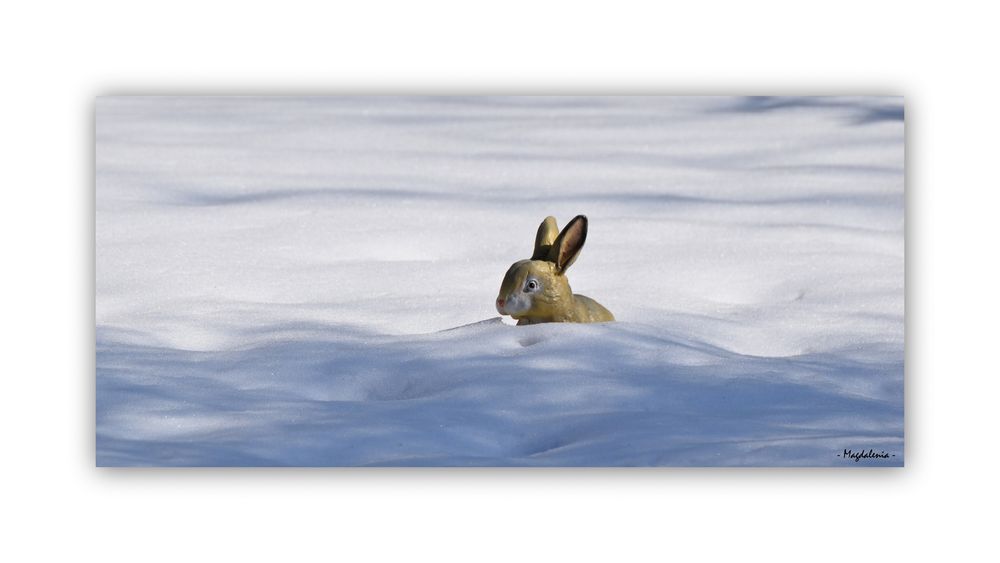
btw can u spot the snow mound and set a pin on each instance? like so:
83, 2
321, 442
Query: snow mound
490, 394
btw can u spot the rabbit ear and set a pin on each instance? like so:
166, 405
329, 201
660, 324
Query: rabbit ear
547, 233
568, 244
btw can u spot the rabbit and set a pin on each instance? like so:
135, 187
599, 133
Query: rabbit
537, 291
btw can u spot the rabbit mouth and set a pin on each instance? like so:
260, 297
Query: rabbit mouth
512, 305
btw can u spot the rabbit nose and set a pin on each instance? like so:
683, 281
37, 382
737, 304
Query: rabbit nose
500, 301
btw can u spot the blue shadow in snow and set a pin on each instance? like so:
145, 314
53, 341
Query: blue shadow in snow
872, 110
489, 395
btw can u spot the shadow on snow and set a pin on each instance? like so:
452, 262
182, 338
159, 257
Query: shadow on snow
490, 394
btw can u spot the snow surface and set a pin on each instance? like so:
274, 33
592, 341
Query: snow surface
304, 281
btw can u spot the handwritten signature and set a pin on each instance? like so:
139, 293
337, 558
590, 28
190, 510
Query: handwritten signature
865, 454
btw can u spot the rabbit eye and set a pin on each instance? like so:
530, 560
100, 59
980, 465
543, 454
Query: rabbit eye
532, 285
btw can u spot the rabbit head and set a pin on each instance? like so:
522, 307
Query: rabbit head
536, 290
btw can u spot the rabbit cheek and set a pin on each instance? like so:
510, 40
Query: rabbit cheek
509, 305
515, 305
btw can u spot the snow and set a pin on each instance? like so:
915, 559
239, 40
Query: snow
310, 281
